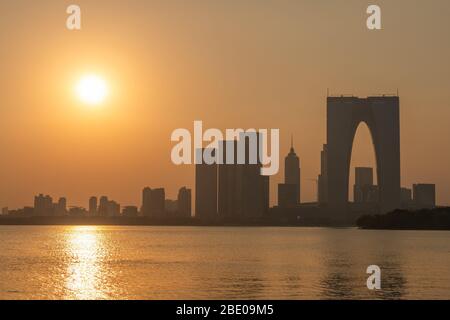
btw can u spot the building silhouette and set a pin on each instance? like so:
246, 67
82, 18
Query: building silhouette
255, 187
292, 170
43, 205
381, 114
146, 200
242, 191
103, 206
229, 184
158, 202
322, 181
93, 210
205, 187
113, 209
77, 212
424, 196
184, 203
130, 211
289, 191
153, 202
363, 186
287, 195
61, 207
406, 198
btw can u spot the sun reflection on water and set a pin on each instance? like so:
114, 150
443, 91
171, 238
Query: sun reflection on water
85, 272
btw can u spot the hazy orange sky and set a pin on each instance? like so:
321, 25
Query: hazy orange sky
263, 64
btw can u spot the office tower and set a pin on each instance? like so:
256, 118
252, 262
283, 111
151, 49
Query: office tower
228, 186
323, 177
146, 200
157, 202
93, 206
130, 211
5, 211
103, 206
205, 187
424, 196
43, 205
243, 191
406, 198
254, 199
287, 195
113, 209
61, 207
255, 186
363, 185
292, 170
153, 202
184, 203
382, 116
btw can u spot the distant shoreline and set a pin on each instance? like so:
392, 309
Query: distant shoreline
145, 221
426, 219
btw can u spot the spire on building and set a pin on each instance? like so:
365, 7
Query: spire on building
292, 152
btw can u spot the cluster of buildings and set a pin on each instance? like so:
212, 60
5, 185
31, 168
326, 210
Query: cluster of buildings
154, 204
421, 196
239, 191
233, 190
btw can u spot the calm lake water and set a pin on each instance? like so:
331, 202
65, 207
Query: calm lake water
220, 263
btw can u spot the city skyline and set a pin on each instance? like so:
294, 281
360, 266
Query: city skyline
228, 188
236, 190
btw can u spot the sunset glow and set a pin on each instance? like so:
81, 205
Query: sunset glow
224, 159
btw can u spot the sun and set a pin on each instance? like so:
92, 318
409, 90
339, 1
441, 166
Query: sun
92, 89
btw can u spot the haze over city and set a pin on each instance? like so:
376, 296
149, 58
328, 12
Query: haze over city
250, 65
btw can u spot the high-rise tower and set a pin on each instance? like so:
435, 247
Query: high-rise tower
93, 209
205, 187
292, 170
